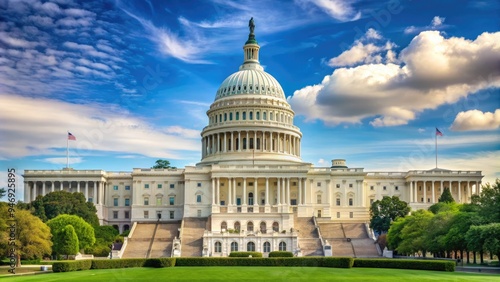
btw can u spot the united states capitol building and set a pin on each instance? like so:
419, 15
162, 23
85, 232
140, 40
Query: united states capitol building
251, 190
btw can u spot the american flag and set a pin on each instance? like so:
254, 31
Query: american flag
438, 133
71, 136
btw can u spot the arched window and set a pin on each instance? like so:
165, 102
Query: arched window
267, 247
126, 227
117, 228
350, 201
244, 115
250, 114
276, 227
250, 199
223, 226
263, 227
282, 246
218, 247
234, 247
230, 116
257, 115
264, 116
250, 226
251, 247
244, 143
237, 226
237, 115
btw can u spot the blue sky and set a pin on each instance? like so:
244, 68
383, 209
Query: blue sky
368, 80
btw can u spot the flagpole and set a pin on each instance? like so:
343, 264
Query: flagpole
436, 137
67, 151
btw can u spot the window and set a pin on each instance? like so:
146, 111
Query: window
127, 187
115, 202
396, 188
250, 226
146, 214
237, 226
223, 226
271, 117
338, 185
282, 246
127, 202
263, 227
351, 215
264, 116
158, 201
350, 185
318, 184
385, 188
338, 202
267, 247
198, 184
91, 200
218, 247
172, 186
338, 214
115, 214
251, 247
257, 115
198, 212
350, 202
244, 115
237, 115
115, 187
159, 186
127, 214
276, 227
198, 198
230, 116
372, 188
171, 214
146, 201
225, 116
171, 200
234, 247
318, 199
146, 186
250, 115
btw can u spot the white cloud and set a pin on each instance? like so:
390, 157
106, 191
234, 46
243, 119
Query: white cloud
476, 120
340, 10
63, 160
436, 24
41, 130
434, 71
437, 21
16, 42
323, 162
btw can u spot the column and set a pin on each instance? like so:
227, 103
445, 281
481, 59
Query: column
27, 192
278, 191
43, 188
283, 191
78, 186
94, 200
86, 190
411, 191
234, 191
433, 193
225, 143
271, 141
459, 192
478, 187
52, 186
442, 188
267, 191
425, 191
229, 192
288, 191
255, 193
244, 191
61, 185
469, 191
328, 186
33, 191
255, 141
218, 142
300, 191
217, 199
239, 141
213, 191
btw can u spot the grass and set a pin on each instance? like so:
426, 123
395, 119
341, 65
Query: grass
236, 273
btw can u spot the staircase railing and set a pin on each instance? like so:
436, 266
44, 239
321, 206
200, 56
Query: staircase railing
148, 254
319, 234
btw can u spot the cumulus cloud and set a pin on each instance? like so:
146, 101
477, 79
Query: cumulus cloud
433, 71
476, 120
41, 130
437, 23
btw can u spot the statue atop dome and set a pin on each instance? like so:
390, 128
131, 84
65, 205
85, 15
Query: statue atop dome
251, 25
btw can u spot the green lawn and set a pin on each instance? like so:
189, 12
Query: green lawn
309, 274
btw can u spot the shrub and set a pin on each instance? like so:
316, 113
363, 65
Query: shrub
71, 265
160, 262
245, 254
276, 261
338, 262
118, 263
439, 265
280, 254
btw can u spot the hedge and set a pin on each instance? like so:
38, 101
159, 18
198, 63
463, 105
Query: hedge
276, 261
280, 254
160, 262
71, 265
245, 254
439, 265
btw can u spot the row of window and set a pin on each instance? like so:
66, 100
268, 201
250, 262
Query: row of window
171, 215
266, 247
117, 213
250, 226
384, 188
279, 117
116, 202
227, 90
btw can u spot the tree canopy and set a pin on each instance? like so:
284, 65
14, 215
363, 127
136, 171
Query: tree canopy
385, 211
162, 164
66, 241
61, 202
446, 197
84, 231
489, 201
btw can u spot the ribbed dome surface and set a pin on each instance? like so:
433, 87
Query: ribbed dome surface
250, 81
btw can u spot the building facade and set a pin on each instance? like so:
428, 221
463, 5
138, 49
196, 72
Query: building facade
251, 178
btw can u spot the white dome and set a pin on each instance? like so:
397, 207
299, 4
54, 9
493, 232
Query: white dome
250, 82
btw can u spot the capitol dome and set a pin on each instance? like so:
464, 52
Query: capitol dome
250, 120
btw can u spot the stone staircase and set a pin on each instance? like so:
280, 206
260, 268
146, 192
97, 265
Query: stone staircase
138, 245
308, 237
358, 245
163, 240
192, 236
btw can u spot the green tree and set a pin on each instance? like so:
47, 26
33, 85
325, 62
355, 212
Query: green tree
66, 241
383, 212
162, 164
460, 224
489, 202
2, 192
33, 237
435, 237
490, 233
394, 238
413, 233
444, 207
475, 242
446, 197
62, 202
84, 231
